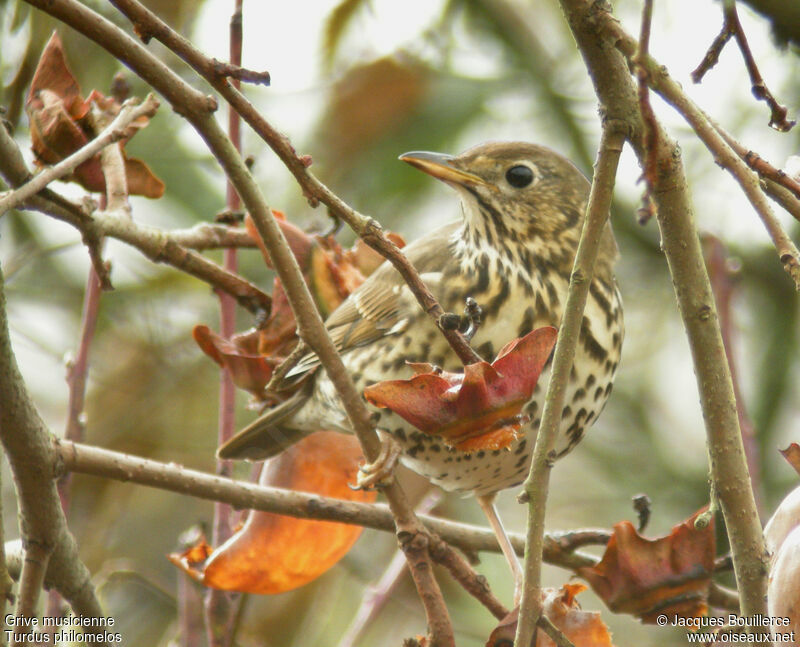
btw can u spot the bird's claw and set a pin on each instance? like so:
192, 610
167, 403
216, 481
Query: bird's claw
380, 471
468, 323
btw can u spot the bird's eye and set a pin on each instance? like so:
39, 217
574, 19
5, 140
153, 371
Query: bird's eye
519, 176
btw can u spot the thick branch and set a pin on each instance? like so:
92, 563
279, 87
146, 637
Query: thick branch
86, 459
537, 484
614, 87
43, 526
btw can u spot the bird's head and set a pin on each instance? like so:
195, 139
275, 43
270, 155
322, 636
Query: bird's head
513, 192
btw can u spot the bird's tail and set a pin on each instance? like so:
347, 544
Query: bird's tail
266, 436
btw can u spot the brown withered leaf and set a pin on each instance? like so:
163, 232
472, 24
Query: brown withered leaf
331, 273
249, 370
582, 628
477, 409
272, 553
792, 454
61, 122
646, 577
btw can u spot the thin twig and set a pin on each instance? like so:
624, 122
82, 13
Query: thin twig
160, 247
553, 632
115, 131
671, 91
218, 607
367, 228
722, 284
376, 596
474, 584
535, 488
712, 55
761, 166
282, 369
732, 27
647, 210
760, 91
77, 377
238, 73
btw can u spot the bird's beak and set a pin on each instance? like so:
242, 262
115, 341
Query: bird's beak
441, 167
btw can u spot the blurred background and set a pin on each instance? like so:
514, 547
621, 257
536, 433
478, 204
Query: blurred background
356, 83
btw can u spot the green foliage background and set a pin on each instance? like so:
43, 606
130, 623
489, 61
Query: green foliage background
152, 392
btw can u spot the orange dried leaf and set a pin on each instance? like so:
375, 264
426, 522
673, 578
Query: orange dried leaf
249, 371
582, 628
188, 560
477, 409
272, 553
646, 577
792, 454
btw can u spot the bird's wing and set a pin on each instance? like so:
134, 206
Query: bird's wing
383, 305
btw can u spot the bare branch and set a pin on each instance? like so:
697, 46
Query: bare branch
671, 91
732, 27
44, 528
536, 486
114, 132
85, 459
367, 228
615, 90
651, 141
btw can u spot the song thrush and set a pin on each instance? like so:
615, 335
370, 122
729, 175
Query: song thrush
523, 207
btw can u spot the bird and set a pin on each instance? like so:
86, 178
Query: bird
512, 252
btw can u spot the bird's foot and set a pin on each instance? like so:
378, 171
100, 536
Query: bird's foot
380, 471
468, 323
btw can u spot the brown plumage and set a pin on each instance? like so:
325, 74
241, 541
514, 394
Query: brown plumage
512, 252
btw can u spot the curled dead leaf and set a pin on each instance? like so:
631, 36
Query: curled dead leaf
477, 409
582, 628
273, 553
249, 370
62, 122
331, 273
792, 455
670, 575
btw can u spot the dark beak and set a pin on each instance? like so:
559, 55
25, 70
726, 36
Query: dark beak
441, 167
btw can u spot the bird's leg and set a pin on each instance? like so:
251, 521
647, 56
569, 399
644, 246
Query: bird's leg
487, 504
381, 470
